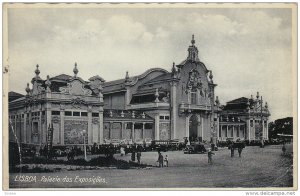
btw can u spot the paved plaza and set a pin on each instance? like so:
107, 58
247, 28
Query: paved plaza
256, 168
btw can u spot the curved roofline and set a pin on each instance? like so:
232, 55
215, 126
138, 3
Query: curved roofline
147, 72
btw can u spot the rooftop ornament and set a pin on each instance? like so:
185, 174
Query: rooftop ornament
27, 89
48, 83
127, 77
193, 40
37, 71
75, 70
211, 76
217, 101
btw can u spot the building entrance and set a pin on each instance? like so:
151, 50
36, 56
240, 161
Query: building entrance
193, 128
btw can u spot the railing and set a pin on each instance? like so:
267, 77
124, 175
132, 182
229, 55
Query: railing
149, 105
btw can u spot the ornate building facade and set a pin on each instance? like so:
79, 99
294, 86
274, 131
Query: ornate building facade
156, 105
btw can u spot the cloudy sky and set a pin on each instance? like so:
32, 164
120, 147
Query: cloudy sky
248, 50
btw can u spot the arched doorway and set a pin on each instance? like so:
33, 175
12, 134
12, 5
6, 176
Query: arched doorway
193, 128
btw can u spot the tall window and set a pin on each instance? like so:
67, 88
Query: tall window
193, 98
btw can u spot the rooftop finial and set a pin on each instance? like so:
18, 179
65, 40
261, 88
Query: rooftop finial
173, 71
127, 77
193, 40
75, 70
217, 101
37, 71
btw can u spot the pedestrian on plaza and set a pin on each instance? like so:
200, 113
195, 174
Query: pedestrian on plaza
209, 155
138, 156
133, 155
232, 150
166, 161
283, 149
240, 149
160, 160
122, 151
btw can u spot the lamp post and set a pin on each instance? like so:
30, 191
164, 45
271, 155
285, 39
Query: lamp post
83, 133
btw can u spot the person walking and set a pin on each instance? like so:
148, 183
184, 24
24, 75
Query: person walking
138, 156
160, 160
283, 149
232, 150
209, 155
133, 155
240, 149
122, 151
166, 161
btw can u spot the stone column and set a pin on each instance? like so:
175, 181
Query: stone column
143, 131
174, 109
187, 127
267, 129
101, 124
249, 130
218, 128
199, 125
40, 126
189, 96
30, 126
227, 131
110, 129
264, 129
156, 126
90, 131
24, 127
202, 124
122, 129
133, 132
62, 124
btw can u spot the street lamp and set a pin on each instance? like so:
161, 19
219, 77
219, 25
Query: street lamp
83, 133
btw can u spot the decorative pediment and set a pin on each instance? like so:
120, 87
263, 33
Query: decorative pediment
75, 87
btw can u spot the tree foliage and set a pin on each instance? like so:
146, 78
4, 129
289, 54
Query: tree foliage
281, 126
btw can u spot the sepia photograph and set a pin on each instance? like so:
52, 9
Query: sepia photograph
148, 96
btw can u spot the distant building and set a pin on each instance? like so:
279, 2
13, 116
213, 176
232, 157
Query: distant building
156, 105
244, 118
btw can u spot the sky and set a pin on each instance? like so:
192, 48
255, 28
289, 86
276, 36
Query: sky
248, 50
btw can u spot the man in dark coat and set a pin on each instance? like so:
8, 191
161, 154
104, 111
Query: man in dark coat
160, 160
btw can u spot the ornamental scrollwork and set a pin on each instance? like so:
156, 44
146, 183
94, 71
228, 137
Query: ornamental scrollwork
55, 119
77, 102
76, 87
95, 121
194, 81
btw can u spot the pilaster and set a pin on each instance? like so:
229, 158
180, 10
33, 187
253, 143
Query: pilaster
90, 131
156, 126
62, 124
101, 124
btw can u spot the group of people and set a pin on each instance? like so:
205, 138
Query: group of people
138, 155
136, 152
232, 149
162, 162
240, 149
